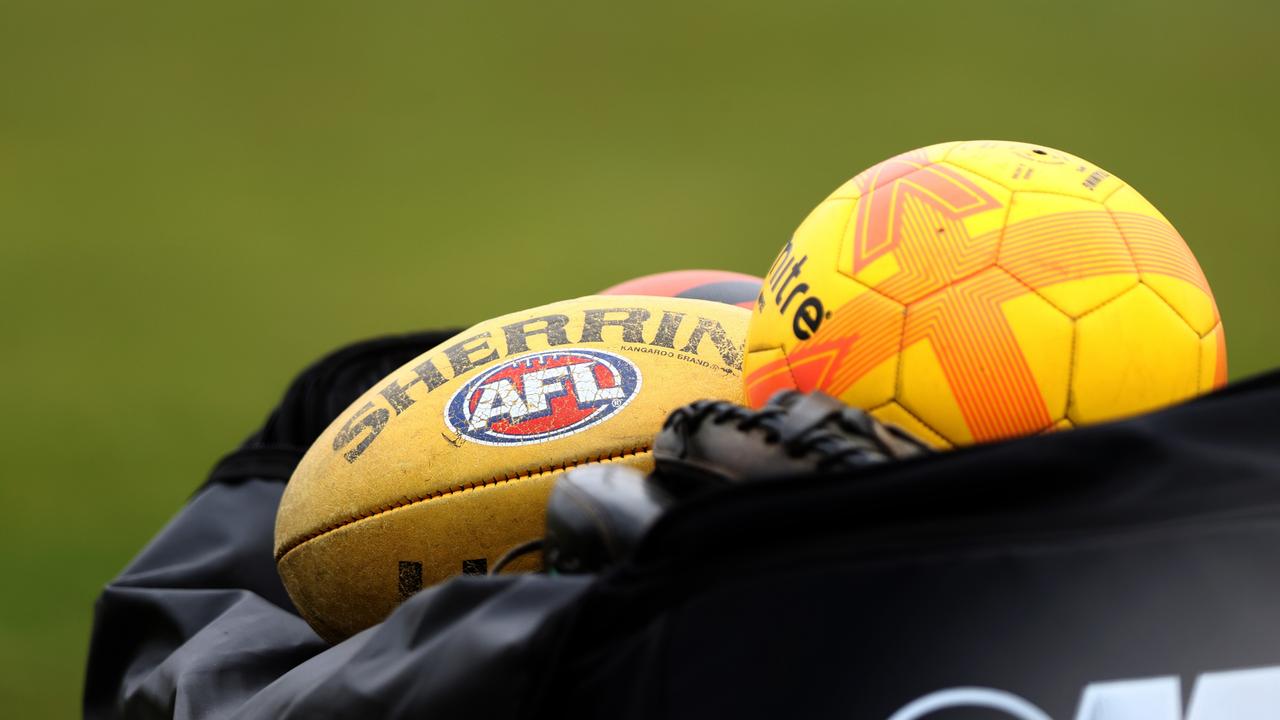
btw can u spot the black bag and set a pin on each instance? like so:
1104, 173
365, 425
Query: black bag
1122, 571
1111, 572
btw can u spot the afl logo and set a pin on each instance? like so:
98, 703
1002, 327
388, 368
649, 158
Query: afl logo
542, 396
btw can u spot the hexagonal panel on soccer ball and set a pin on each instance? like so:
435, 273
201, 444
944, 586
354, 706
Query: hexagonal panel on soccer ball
1163, 259
1066, 249
1132, 355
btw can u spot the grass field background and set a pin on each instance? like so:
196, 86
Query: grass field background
197, 199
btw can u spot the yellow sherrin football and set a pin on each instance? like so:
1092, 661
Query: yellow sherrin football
446, 463
972, 291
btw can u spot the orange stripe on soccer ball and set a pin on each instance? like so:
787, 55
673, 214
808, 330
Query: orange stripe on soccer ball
1158, 249
809, 371
878, 325
949, 321
878, 222
1065, 246
768, 379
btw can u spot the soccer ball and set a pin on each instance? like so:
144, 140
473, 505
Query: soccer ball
973, 291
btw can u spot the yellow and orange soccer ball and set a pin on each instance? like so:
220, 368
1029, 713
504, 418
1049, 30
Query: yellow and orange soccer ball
973, 291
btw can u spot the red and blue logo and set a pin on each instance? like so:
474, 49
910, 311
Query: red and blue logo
542, 396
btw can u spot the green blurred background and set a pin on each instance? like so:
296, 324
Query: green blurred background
197, 199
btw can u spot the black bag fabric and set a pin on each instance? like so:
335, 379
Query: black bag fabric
199, 625
1123, 571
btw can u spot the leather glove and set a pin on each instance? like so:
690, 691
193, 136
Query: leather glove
598, 513
709, 443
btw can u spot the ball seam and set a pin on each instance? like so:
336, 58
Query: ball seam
493, 481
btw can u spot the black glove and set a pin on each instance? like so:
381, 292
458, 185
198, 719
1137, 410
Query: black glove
598, 513
708, 444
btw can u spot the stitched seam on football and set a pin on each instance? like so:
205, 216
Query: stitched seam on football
497, 480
